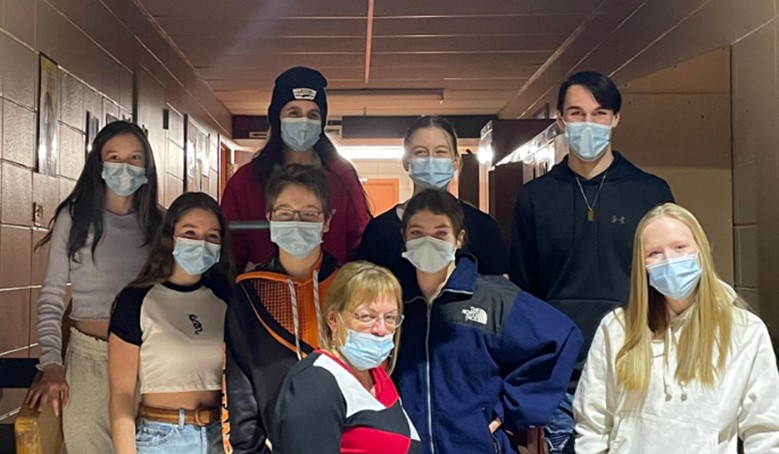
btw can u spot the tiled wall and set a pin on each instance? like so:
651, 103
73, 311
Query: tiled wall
756, 166
99, 58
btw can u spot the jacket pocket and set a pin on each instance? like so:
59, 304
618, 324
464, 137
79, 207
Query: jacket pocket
650, 434
150, 433
492, 437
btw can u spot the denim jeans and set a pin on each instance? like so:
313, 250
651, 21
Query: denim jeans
559, 430
153, 437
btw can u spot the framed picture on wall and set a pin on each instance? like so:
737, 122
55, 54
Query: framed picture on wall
196, 154
48, 112
110, 118
92, 128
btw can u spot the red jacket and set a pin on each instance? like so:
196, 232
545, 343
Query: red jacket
244, 200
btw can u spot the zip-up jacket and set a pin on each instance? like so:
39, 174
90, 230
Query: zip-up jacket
268, 328
482, 350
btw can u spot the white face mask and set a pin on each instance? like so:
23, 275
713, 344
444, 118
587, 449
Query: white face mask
429, 254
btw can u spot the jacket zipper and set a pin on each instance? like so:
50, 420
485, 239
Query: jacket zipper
429, 398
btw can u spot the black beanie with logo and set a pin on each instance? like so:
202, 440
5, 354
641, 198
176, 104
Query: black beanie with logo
298, 84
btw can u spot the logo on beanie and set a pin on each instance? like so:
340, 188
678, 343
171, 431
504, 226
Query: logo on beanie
304, 93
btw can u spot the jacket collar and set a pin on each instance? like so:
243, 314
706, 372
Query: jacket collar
462, 281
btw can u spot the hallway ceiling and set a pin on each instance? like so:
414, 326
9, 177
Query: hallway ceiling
391, 57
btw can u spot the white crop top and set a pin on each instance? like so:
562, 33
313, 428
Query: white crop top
179, 330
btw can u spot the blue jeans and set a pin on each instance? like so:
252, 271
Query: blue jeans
559, 430
153, 437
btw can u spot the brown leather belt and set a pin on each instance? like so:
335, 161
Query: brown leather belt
201, 417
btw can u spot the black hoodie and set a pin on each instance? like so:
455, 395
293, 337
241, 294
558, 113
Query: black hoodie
581, 267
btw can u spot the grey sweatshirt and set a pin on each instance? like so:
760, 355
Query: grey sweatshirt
118, 259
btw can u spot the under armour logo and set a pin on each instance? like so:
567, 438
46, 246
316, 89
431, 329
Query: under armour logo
475, 314
618, 219
196, 323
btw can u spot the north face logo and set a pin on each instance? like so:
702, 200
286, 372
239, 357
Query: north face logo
475, 314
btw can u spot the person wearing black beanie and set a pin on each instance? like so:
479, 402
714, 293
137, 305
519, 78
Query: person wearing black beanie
297, 115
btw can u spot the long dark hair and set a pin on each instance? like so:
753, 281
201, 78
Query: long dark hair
86, 202
159, 266
272, 154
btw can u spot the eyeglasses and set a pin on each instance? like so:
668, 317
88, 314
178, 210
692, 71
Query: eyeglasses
369, 320
283, 214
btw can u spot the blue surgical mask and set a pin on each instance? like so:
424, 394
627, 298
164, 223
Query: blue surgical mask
431, 173
300, 134
195, 256
365, 351
429, 254
124, 179
296, 238
587, 140
675, 278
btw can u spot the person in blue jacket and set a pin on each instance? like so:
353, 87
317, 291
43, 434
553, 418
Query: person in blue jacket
479, 358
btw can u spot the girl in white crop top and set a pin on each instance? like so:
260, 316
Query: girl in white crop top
99, 238
166, 335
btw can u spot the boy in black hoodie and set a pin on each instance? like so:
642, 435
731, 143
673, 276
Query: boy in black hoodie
572, 235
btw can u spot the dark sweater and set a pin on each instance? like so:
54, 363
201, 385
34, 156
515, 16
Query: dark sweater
382, 242
581, 267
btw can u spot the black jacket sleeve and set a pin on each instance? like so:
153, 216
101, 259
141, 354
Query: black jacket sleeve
494, 256
245, 431
370, 244
310, 413
523, 270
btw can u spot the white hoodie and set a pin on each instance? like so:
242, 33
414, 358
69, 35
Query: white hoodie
675, 417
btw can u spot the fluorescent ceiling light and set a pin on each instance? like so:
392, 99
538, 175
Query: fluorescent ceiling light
372, 152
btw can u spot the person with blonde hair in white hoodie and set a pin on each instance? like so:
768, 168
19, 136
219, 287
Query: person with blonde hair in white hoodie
684, 366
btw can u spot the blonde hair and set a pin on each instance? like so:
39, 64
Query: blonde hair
707, 331
358, 283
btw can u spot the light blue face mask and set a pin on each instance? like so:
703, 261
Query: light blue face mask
430, 172
195, 256
429, 254
296, 238
675, 278
300, 134
587, 140
122, 178
366, 351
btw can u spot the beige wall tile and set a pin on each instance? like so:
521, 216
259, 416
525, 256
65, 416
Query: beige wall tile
15, 257
72, 104
747, 256
72, 152
38, 258
45, 192
751, 296
754, 106
19, 134
16, 195
20, 73
19, 20
745, 180
14, 324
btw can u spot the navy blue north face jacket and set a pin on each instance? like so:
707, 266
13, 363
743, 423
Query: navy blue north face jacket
482, 350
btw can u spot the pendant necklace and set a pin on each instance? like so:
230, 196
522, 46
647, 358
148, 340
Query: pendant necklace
591, 208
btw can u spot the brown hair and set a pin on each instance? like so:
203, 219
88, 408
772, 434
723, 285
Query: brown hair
437, 202
305, 176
